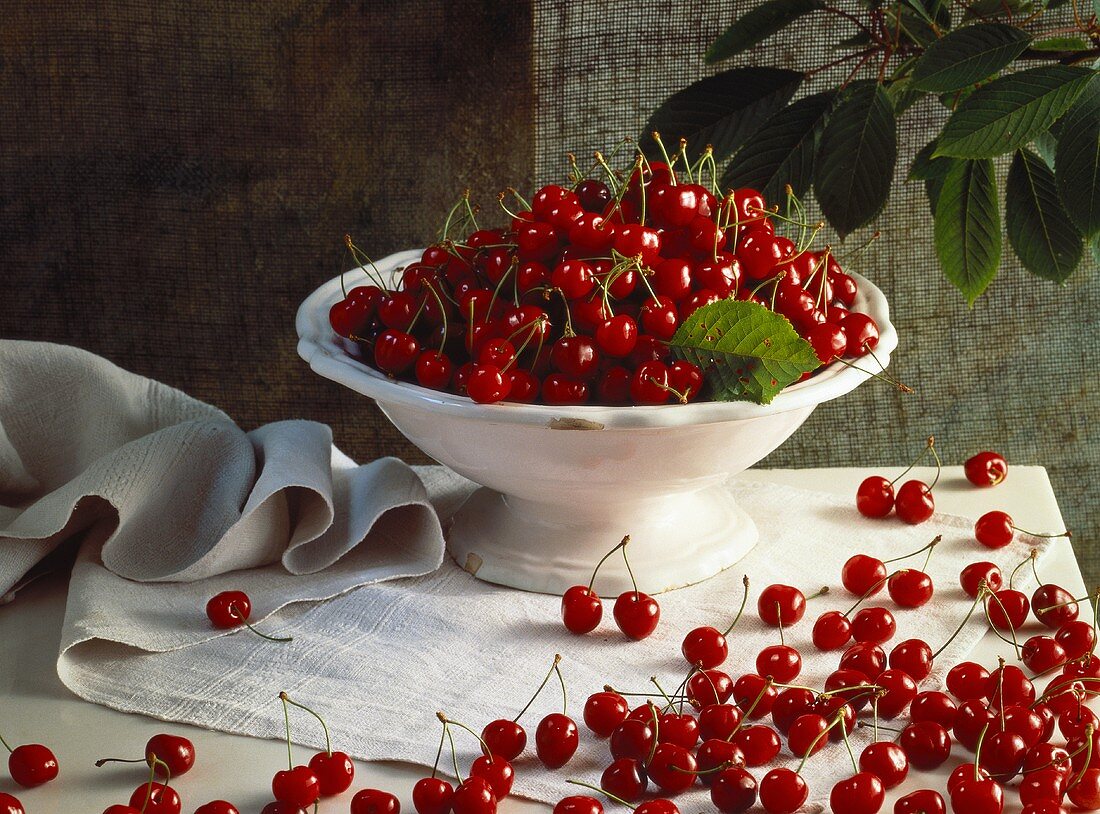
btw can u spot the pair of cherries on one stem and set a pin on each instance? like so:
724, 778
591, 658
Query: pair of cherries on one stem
171, 756
328, 773
636, 613
913, 501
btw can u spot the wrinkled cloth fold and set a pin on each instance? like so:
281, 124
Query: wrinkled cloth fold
173, 491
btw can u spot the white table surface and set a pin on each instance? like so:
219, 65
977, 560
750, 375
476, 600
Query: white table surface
36, 707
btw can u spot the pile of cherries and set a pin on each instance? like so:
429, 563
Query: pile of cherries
575, 300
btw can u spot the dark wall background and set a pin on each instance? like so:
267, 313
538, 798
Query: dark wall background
176, 176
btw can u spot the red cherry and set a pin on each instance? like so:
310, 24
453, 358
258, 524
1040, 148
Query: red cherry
617, 336
649, 384
886, 761
474, 795
10, 805
978, 797
156, 798
760, 744
759, 252
1053, 606
719, 721
298, 786
660, 317
581, 609
223, 807
1085, 790
914, 502
783, 791
964, 772
994, 529
862, 333
1007, 609
32, 765
593, 195
282, 808
683, 730
781, 605
708, 688
806, 734
715, 754
933, 706
580, 804
986, 469
733, 790
873, 625
373, 801
910, 588
434, 369
115, 809
229, 609
395, 351
863, 575
1077, 638
899, 689
604, 712
921, 801
967, 680
636, 614
635, 240
1041, 786
396, 310
633, 739
1002, 755
672, 768
625, 778
972, 717
496, 771
926, 744
973, 575
1009, 686
504, 738
560, 389
432, 795
867, 659
334, 771
832, 631
829, 342
754, 695
686, 379
657, 807
789, 704
487, 384
705, 647
556, 740
914, 656
862, 793
781, 662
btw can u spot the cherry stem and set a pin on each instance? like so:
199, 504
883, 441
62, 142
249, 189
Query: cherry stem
442, 716
664, 154
822, 734
607, 794
454, 753
882, 377
936, 458
822, 591
1001, 688
286, 717
848, 744
1088, 757
1063, 604
328, 740
740, 610
234, 612
978, 752
439, 751
928, 445
105, 760
629, 570
656, 731
982, 591
1043, 535
669, 703
153, 761
935, 542
5, 744
561, 680
549, 673
1034, 568
1030, 558
874, 708
1015, 645
768, 683
779, 618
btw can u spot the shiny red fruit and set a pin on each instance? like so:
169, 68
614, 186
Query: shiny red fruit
373, 801
556, 740
636, 614
581, 609
334, 770
32, 764
986, 469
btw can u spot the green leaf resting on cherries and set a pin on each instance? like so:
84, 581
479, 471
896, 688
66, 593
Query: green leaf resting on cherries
967, 227
1009, 112
966, 56
746, 351
722, 110
1039, 228
757, 24
855, 162
782, 151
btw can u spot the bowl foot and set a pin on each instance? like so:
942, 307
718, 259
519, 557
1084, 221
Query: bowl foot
675, 540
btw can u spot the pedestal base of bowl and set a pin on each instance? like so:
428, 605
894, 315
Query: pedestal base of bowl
675, 540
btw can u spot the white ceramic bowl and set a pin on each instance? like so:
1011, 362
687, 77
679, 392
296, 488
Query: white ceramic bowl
562, 485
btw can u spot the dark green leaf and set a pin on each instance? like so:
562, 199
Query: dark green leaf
903, 96
984, 9
747, 352
1045, 145
968, 227
782, 151
1077, 160
925, 167
932, 189
756, 25
966, 56
1038, 226
721, 110
1008, 112
912, 25
1061, 44
855, 162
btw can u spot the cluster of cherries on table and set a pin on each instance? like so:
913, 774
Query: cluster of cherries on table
575, 301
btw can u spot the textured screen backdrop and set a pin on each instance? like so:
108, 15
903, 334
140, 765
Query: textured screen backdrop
176, 176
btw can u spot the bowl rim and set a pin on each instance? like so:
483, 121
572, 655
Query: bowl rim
336, 359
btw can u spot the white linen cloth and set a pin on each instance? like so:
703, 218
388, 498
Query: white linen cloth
178, 493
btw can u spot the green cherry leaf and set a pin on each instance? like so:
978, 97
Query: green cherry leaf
1038, 226
782, 151
1008, 112
1077, 161
967, 227
967, 55
1061, 44
925, 167
746, 351
855, 160
722, 110
756, 25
